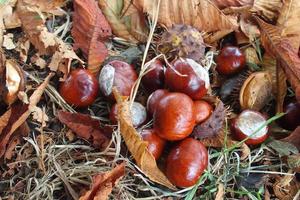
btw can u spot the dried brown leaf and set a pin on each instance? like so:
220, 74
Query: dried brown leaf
213, 125
201, 14
12, 119
137, 146
218, 141
286, 56
86, 127
125, 19
103, 183
269, 10
289, 19
232, 3
294, 138
286, 191
90, 31
33, 24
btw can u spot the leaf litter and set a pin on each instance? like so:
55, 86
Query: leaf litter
72, 166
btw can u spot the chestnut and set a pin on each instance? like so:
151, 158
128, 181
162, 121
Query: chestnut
291, 119
153, 99
138, 114
202, 110
80, 88
117, 74
174, 116
154, 79
186, 162
246, 123
155, 143
231, 60
188, 77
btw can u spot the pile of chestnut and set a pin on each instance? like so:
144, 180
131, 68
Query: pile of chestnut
175, 104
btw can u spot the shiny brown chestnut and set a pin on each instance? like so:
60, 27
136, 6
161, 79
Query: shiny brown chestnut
154, 78
155, 143
188, 77
246, 123
291, 119
153, 99
231, 60
186, 162
117, 74
174, 116
80, 88
203, 110
138, 114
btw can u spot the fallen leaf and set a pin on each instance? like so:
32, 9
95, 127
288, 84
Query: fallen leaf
213, 125
282, 50
251, 180
268, 10
23, 46
22, 131
278, 78
125, 19
90, 31
39, 115
218, 141
33, 24
294, 138
38, 61
137, 147
286, 191
283, 148
86, 127
201, 14
6, 11
248, 27
293, 162
288, 20
232, 3
103, 183
12, 119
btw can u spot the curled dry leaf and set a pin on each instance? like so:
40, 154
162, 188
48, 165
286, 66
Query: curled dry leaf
12, 119
125, 19
232, 3
289, 19
136, 146
213, 125
282, 50
256, 91
86, 127
294, 138
103, 183
248, 27
269, 10
286, 191
278, 78
90, 31
201, 14
33, 24
15, 81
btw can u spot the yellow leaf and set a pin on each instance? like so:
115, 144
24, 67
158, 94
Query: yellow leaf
125, 19
201, 14
136, 146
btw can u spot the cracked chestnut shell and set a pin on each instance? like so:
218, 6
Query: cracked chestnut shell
155, 143
246, 123
117, 74
231, 60
188, 77
174, 116
154, 79
80, 88
186, 162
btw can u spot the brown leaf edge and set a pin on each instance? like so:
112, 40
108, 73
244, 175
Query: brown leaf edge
86, 127
12, 119
103, 183
90, 30
138, 147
